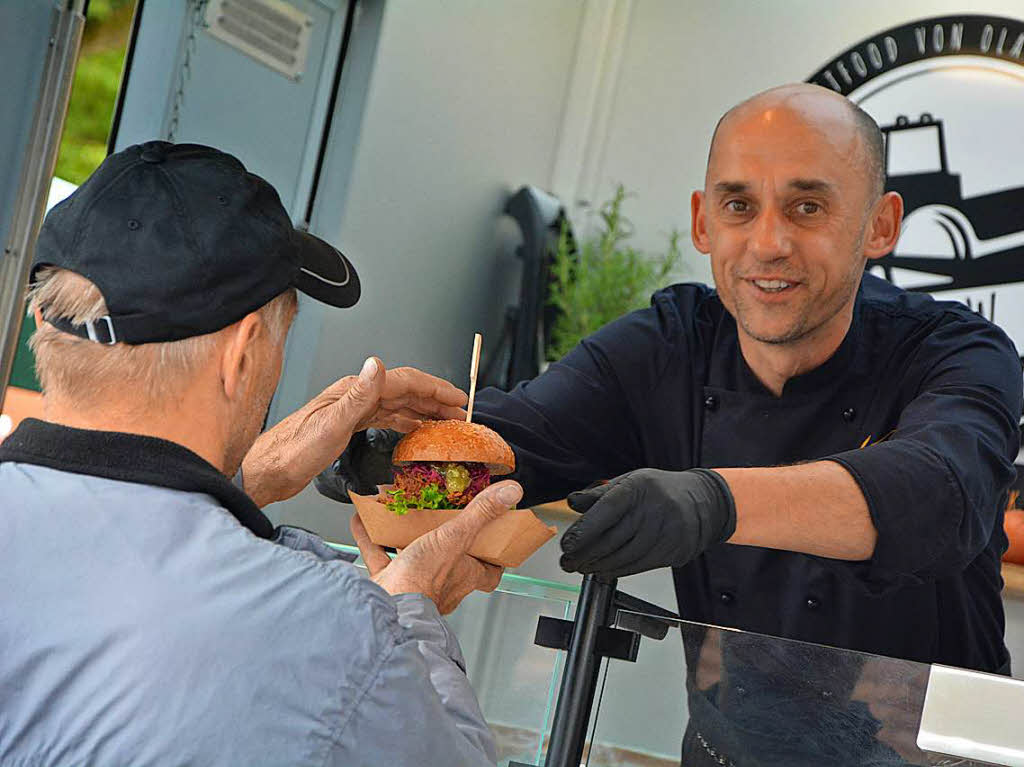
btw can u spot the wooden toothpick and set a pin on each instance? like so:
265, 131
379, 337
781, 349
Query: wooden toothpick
473, 368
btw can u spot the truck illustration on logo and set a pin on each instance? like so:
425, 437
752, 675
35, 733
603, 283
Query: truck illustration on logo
948, 242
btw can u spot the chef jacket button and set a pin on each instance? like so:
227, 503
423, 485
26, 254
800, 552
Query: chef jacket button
826, 694
727, 597
813, 603
711, 402
849, 414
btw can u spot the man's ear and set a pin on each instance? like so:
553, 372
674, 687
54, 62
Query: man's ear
884, 226
239, 358
37, 315
698, 223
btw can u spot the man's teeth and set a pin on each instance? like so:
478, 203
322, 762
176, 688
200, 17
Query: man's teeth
771, 285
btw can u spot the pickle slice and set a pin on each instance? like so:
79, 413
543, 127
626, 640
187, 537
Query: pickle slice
456, 477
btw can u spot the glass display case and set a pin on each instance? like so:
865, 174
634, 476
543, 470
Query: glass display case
717, 696
515, 680
701, 695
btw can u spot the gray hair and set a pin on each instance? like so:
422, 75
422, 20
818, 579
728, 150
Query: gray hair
81, 370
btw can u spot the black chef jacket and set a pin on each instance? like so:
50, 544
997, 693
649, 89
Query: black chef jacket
920, 404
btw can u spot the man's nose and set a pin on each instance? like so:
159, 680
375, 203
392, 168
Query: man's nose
770, 238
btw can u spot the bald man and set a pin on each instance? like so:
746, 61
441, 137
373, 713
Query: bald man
818, 454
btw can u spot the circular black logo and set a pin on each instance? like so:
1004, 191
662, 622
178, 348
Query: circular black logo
948, 93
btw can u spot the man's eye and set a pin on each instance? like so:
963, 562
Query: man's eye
736, 206
809, 208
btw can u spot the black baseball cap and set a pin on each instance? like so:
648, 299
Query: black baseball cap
182, 240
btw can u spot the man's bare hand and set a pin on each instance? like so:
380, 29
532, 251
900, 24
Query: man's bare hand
436, 564
284, 459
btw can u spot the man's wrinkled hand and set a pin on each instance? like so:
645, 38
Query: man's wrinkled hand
285, 458
647, 519
436, 564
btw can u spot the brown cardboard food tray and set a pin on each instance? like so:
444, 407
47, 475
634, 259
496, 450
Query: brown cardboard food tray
507, 541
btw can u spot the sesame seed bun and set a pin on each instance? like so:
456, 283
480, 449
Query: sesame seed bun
456, 442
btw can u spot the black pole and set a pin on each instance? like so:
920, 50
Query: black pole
580, 675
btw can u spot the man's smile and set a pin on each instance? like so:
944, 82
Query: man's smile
770, 288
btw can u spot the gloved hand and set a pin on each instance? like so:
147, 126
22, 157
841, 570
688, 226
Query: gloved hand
647, 519
365, 464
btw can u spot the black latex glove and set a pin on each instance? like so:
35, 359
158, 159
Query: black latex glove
647, 519
365, 464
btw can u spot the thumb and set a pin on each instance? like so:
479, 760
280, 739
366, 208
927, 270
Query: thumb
485, 507
582, 500
361, 399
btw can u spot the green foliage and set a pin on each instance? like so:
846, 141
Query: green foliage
94, 90
604, 279
87, 126
105, 11
430, 497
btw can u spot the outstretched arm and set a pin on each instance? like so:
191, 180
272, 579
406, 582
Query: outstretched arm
815, 508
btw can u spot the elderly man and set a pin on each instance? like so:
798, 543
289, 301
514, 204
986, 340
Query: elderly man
151, 612
855, 440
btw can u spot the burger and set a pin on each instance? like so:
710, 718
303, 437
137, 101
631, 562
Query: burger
445, 464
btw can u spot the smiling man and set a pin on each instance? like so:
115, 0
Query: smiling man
857, 440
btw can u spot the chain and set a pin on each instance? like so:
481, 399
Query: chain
194, 22
713, 753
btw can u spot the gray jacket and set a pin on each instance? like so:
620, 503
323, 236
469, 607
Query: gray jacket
151, 615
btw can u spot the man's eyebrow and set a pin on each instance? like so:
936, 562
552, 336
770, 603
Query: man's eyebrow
731, 187
811, 185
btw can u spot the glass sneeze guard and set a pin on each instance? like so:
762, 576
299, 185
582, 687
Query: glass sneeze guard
712, 696
515, 681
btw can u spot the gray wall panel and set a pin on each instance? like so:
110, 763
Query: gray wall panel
24, 30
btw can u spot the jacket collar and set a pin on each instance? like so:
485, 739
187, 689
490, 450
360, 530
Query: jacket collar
729, 369
129, 458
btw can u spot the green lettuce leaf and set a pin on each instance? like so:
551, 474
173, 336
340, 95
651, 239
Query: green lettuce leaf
430, 497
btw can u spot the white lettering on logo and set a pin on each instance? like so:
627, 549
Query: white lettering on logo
921, 35
1018, 46
956, 36
986, 38
874, 56
858, 64
1002, 39
831, 80
891, 49
938, 38
844, 73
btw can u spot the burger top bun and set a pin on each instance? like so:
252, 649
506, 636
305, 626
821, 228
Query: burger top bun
456, 442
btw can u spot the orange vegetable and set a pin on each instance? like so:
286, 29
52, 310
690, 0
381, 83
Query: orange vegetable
1014, 526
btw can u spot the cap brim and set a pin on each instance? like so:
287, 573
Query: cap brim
324, 273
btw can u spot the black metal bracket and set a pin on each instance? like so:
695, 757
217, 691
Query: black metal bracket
587, 640
620, 644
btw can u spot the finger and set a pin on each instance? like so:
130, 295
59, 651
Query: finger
410, 381
424, 407
485, 507
383, 440
631, 567
396, 422
490, 577
582, 500
374, 556
645, 551
359, 401
606, 512
613, 539
482, 577
402, 412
